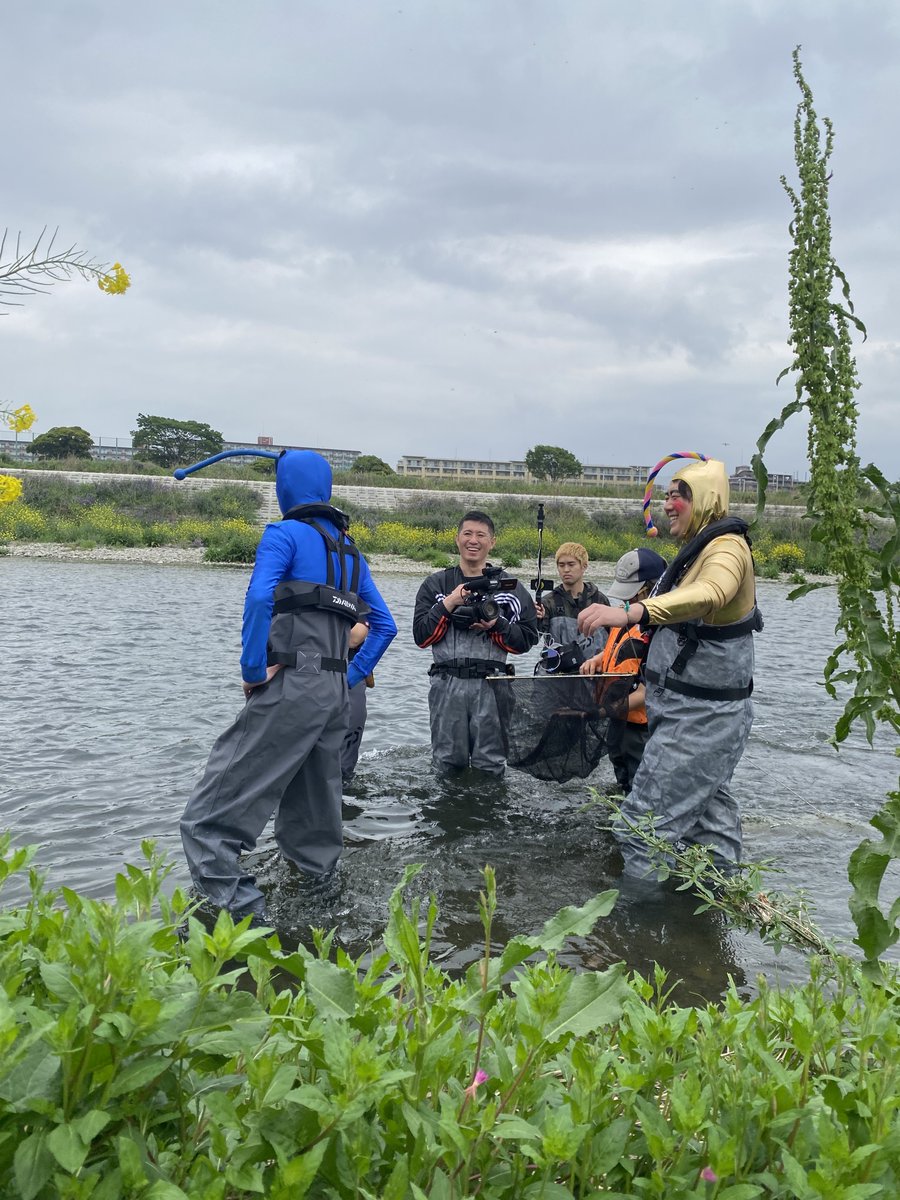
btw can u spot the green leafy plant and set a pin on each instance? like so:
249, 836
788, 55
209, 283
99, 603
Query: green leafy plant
134, 512
841, 499
169, 442
371, 464
145, 1055
62, 441
868, 574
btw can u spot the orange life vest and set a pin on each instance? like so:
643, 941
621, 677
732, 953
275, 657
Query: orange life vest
624, 654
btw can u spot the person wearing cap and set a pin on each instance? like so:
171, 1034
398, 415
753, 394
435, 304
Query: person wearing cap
699, 674
624, 655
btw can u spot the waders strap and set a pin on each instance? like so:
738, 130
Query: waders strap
309, 664
690, 635
471, 668
695, 690
344, 549
322, 598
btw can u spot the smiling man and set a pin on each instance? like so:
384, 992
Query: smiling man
470, 631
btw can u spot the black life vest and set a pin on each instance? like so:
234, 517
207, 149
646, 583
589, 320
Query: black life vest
338, 597
692, 633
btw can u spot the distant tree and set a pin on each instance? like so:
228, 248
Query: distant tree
263, 467
371, 464
62, 441
552, 462
174, 443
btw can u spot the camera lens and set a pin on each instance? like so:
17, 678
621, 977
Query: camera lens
488, 610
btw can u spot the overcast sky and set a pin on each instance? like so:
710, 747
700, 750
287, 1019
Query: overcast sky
446, 227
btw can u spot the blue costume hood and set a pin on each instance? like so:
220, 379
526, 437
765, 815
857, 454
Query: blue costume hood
302, 477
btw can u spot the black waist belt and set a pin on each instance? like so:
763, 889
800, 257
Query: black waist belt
695, 690
471, 668
690, 635
311, 664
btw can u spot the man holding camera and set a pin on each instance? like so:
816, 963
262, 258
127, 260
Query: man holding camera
471, 616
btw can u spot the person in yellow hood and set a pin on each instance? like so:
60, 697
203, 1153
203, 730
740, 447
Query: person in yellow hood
699, 674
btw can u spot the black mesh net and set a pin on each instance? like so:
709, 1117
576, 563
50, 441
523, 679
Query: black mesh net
556, 725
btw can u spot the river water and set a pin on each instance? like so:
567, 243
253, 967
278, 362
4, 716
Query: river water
118, 678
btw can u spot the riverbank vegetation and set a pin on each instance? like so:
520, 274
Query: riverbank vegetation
866, 658
428, 530
225, 520
133, 513
138, 1064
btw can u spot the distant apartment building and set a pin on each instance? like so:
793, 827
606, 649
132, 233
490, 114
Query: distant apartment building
16, 450
743, 480
466, 468
119, 450
112, 450
339, 460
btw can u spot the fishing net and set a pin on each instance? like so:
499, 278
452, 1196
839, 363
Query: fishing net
556, 726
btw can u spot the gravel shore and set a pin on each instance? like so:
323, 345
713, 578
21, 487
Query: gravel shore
184, 556
189, 556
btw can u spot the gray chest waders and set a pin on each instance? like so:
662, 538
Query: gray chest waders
466, 724
699, 717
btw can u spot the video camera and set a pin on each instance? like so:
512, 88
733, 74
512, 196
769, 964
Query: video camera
564, 660
482, 588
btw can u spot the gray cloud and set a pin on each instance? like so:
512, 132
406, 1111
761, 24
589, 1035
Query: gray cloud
445, 228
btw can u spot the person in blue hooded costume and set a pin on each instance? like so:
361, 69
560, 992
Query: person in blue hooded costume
282, 756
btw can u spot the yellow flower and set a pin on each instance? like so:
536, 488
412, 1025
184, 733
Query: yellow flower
10, 489
116, 282
20, 418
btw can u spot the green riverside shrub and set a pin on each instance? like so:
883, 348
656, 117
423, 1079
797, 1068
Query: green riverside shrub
135, 1064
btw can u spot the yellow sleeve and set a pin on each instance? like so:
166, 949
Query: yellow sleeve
720, 584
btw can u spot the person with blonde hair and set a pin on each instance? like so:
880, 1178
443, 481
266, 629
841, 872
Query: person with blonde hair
558, 612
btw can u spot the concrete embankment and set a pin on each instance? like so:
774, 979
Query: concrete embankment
394, 499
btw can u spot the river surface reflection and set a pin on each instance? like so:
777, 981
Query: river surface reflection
118, 677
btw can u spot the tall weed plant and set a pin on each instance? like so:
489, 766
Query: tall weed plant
866, 662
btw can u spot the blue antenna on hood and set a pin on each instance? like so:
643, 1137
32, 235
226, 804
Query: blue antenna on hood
181, 472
